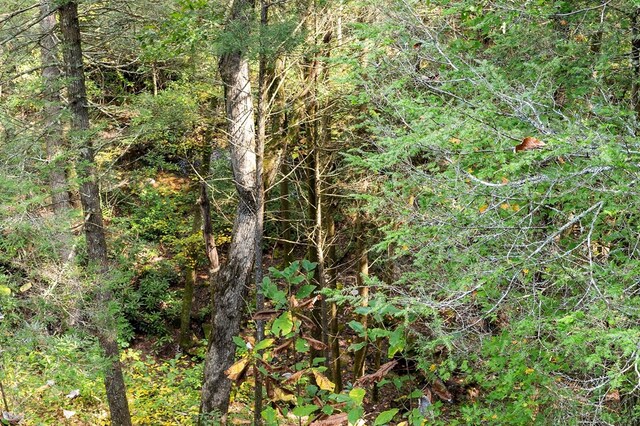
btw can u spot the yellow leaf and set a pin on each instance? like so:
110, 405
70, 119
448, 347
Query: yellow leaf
282, 395
529, 371
322, 381
432, 367
25, 287
236, 369
411, 199
505, 180
516, 208
483, 208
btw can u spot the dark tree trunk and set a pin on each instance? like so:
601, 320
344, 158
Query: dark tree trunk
105, 326
229, 287
52, 110
201, 221
363, 290
635, 61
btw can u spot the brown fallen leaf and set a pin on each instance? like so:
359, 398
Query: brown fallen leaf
265, 314
282, 347
378, 375
529, 143
333, 420
315, 344
295, 376
441, 390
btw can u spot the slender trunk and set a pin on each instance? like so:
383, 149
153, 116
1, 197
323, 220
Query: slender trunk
363, 290
185, 340
334, 329
635, 61
106, 327
200, 212
52, 110
285, 217
259, 191
230, 285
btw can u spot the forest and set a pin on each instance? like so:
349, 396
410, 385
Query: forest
320, 212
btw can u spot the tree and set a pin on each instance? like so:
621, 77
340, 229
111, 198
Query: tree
229, 286
105, 327
52, 109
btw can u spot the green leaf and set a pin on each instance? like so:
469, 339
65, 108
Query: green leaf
356, 326
396, 342
357, 346
355, 414
263, 344
308, 266
357, 395
302, 346
282, 325
239, 342
305, 410
270, 415
385, 417
305, 291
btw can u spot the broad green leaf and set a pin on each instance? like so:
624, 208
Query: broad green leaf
305, 291
305, 410
357, 346
282, 325
263, 344
302, 346
354, 415
308, 266
356, 326
385, 417
270, 415
357, 395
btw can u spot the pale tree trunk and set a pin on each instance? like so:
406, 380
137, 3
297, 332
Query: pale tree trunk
229, 289
106, 327
52, 110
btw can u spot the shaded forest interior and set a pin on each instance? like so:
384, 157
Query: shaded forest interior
319, 213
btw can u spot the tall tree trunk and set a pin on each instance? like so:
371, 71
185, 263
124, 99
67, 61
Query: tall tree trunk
230, 286
106, 327
259, 191
363, 290
52, 110
635, 61
334, 328
201, 219
292, 134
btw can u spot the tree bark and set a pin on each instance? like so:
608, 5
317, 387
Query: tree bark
106, 327
363, 290
259, 191
230, 286
52, 110
635, 61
